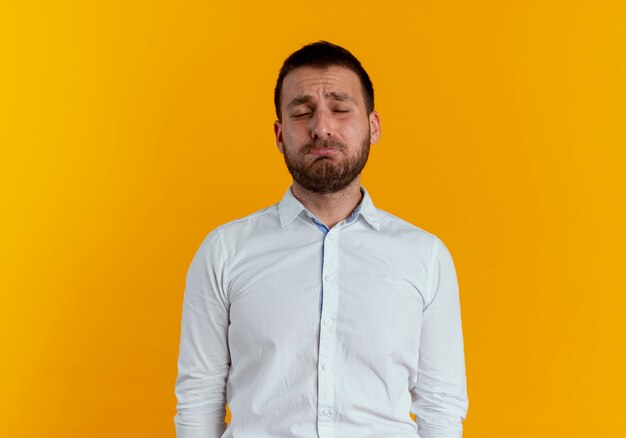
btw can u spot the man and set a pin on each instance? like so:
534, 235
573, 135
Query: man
322, 316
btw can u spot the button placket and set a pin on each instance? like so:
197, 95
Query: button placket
328, 342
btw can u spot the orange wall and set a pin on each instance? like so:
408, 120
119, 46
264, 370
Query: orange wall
129, 130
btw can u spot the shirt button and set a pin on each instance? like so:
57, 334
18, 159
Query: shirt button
324, 367
327, 278
328, 322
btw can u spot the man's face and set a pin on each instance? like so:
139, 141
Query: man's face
325, 132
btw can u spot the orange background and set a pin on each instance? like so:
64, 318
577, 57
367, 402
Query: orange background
129, 130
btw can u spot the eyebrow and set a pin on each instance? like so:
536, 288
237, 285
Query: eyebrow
335, 95
341, 97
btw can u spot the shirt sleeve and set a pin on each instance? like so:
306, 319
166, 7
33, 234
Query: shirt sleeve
204, 358
439, 398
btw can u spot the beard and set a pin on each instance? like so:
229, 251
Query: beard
324, 175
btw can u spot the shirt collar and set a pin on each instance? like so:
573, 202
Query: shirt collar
289, 208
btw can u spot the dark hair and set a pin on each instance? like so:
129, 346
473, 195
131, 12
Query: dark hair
323, 55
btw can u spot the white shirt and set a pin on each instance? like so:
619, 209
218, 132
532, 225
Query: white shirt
308, 332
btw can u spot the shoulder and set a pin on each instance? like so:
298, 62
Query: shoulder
242, 228
395, 225
407, 234
267, 216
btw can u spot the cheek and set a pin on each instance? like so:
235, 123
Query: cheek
354, 135
292, 142
291, 134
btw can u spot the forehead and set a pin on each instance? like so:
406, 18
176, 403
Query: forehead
317, 83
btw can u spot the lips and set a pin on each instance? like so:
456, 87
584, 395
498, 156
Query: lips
324, 151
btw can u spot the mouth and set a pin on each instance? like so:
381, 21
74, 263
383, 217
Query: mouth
324, 151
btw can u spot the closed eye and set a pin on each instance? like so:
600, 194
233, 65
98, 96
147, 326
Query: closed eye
301, 114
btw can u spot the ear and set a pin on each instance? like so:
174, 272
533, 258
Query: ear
375, 129
278, 133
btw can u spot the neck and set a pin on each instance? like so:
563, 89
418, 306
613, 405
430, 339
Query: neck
330, 208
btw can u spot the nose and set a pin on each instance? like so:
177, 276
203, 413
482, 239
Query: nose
321, 125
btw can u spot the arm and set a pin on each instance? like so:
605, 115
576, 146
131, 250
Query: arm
204, 358
440, 395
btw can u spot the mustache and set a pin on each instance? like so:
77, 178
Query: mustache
323, 143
